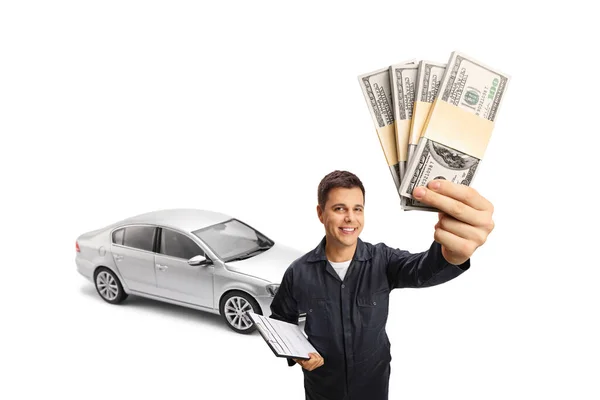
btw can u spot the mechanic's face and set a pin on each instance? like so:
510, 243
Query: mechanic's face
343, 216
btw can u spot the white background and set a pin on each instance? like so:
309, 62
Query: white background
113, 108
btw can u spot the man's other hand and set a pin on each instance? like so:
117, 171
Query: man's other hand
315, 361
465, 220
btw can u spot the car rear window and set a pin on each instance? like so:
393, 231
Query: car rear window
117, 236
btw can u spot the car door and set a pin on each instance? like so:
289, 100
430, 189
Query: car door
132, 249
175, 278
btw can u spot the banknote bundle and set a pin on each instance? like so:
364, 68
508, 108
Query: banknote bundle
433, 120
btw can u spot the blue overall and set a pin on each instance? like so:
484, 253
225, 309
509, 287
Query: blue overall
346, 319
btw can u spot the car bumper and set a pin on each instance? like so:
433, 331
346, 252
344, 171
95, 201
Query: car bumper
85, 268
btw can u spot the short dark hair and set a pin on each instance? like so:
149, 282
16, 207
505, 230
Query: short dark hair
336, 179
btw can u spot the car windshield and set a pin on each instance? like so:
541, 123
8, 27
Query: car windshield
234, 240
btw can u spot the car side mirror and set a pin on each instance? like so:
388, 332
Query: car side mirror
198, 260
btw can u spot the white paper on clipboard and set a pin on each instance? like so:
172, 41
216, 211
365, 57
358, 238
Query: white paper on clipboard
285, 339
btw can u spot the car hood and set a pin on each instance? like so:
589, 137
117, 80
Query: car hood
269, 265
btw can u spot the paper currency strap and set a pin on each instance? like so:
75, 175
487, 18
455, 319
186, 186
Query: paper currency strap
402, 132
387, 138
418, 121
457, 128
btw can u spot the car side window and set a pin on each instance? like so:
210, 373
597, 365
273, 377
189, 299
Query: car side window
117, 236
175, 244
139, 237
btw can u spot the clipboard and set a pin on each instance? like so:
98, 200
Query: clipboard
286, 340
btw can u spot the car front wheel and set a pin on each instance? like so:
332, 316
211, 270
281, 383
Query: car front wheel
233, 307
108, 286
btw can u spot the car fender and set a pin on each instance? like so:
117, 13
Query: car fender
106, 260
244, 287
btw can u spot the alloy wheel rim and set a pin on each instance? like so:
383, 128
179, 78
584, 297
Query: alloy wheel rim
107, 285
235, 310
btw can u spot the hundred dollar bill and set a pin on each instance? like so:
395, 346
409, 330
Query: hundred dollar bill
402, 79
471, 86
377, 91
429, 79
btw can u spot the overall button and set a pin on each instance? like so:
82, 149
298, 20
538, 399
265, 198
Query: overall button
343, 286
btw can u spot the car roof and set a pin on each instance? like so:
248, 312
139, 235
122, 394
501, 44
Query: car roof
185, 219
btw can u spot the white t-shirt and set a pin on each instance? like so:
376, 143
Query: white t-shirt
340, 267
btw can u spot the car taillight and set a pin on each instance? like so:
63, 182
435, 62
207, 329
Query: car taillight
77, 247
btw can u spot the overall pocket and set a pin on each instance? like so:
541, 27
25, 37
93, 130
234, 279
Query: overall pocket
373, 308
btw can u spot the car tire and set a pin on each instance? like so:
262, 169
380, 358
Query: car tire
232, 307
108, 286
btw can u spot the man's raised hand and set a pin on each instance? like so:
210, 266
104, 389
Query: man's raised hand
465, 218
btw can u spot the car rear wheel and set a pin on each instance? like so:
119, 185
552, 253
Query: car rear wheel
108, 286
233, 307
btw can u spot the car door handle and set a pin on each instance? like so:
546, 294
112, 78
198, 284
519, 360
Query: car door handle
118, 257
162, 267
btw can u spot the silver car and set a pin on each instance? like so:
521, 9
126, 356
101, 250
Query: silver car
195, 258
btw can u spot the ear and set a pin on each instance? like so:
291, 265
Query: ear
320, 213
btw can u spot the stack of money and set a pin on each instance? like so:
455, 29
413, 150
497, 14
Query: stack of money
433, 120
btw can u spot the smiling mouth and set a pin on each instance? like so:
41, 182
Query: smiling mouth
348, 230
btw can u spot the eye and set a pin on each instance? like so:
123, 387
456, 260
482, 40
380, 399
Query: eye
339, 208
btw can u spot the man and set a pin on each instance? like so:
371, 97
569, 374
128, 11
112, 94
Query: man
343, 285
